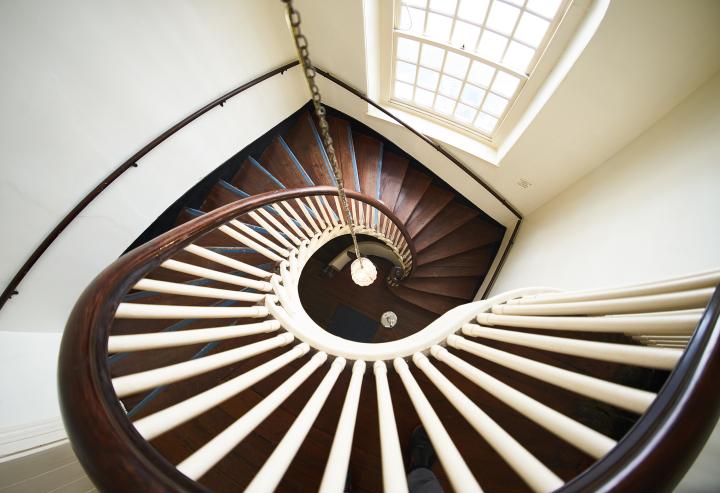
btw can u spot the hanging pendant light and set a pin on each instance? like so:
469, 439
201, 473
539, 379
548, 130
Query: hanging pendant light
363, 271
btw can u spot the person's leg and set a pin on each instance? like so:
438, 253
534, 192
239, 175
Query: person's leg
421, 479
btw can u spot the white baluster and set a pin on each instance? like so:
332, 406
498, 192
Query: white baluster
212, 452
137, 382
667, 324
337, 464
249, 243
589, 441
274, 468
247, 230
453, 464
617, 353
162, 421
393, 470
140, 310
196, 291
227, 261
529, 468
202, 272
156, 340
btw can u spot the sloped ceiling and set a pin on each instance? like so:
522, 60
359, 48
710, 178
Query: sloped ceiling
647, 56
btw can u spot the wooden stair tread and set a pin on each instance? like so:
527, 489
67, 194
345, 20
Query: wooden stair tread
413, 188
433, 201
393, 173
340, 133
277, 161
253, 179
463, 288
220, 195
368, 155
435, 303
474, 234
304, 145
451, 217
473, 263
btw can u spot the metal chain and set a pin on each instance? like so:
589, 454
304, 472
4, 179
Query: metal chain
301, 45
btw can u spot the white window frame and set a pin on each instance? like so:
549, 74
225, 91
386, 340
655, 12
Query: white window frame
570, 37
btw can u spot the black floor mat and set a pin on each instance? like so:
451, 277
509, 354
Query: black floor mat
352, 325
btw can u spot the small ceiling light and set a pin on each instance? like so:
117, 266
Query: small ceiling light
388, 319
363, 271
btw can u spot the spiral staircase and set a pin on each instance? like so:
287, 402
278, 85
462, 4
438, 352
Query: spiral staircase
193, 362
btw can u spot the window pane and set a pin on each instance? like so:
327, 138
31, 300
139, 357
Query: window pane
403, 91
405, 72
486, 123
417, 3
495, 105
427, 79
438, 27
505, 84
492, 46
456, 65
412, 20
431, 57
473, 10
481, 74
444, 6
465, 113
546, 8
450, 86
407, 49
423, 97
518, 56
502, 17
472, 95
531, 29
444, 105
465, 35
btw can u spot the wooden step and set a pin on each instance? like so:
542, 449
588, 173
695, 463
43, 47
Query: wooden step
393, 173
222, 193
447, 220
463, 288
303, 142
413, 188
368, 158
279, 162
435, 303
474, 234
340, 133
253, 179
433, 201
473, 263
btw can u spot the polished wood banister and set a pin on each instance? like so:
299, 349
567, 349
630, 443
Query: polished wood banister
655, 454
112, 452
131, 162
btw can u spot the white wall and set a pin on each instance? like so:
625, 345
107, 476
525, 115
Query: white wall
85, 84
650, 211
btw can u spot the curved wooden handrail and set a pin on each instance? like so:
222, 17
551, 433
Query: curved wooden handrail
113, 454
131, 162
662, 445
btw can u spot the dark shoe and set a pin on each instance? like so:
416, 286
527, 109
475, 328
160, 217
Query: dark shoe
422, 453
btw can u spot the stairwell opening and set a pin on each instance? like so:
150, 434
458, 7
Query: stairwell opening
352, 312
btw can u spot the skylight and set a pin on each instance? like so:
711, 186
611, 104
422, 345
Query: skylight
465, 61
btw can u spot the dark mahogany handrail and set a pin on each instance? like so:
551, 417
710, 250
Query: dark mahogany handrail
662, 445
432, 143
131, 162
111, 451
